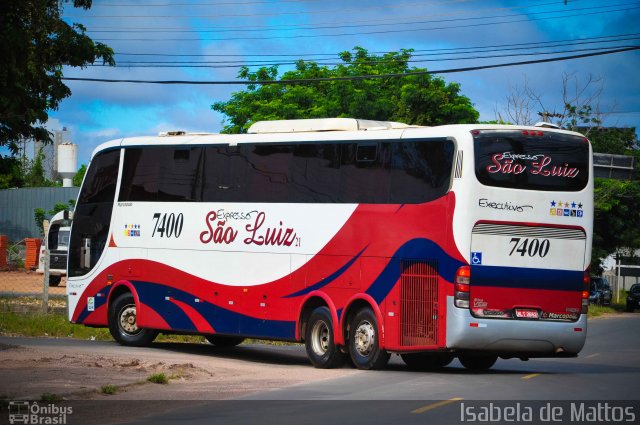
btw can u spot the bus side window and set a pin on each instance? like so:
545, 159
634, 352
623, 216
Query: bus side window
420, 171
162, 174
364, 173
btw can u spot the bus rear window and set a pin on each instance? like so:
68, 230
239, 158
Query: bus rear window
551, 161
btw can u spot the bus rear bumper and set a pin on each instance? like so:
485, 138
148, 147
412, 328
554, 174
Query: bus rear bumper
514, 338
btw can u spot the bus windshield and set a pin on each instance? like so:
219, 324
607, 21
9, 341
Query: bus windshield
532, 160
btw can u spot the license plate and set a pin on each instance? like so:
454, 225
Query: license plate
526, 314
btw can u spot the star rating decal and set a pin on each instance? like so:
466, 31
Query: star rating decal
566, 209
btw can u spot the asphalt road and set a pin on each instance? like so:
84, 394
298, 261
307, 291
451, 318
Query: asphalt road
600, 386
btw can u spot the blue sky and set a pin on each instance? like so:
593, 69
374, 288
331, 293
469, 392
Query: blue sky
245, 30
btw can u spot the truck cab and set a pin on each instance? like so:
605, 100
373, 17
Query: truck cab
56, 240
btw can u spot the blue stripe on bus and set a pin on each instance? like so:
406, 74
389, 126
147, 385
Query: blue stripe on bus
526, 278
327, 280
223, 321
416, 249
154, 296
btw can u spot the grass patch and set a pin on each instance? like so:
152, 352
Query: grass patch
158, 378
57, 326
599, 310
50, 398
109, 389
52, 325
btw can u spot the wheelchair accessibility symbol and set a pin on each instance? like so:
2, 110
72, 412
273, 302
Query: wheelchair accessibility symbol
476, 258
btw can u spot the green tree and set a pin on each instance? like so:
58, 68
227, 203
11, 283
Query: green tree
418, 99
616, 226
35, 43
77, 179
35, 176
617, 219
10, 172
615, 140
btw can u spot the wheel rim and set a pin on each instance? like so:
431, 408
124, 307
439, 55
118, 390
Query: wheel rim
320, 336
127, 320
364, 338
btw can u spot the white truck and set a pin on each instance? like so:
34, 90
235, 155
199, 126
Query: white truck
56, 240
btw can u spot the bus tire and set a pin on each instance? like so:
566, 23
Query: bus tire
477, 362
224, 341
426, 361
364, 341
54, 280
123, 323
320, 341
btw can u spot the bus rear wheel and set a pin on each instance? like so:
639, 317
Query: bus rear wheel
364, 341
320, 341
477, 362
426, 361
123, 323
224, 341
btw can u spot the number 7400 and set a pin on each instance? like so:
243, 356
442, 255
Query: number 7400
532, 247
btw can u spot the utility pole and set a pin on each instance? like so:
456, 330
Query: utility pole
546, 115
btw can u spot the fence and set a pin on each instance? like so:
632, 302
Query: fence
17, 207
24, 288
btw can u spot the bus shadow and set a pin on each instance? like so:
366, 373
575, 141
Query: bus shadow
510, 367
296, 355
269, 354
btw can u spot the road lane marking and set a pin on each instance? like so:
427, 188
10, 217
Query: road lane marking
590, 356
436, 405
530, 376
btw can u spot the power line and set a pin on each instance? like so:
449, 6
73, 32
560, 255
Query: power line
588, 40
245, 15
353, 78
218, 65
368, 22
315, 27
164, 39
414, 56
232, 3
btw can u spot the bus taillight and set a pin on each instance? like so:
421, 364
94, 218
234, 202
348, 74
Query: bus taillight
463, 277
586, 287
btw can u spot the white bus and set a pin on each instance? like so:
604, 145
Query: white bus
359, 238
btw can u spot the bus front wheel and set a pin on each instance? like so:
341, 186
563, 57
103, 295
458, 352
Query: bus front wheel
320, 342
123, 323
364, 341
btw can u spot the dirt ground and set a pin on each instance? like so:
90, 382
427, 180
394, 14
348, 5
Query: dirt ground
27, 282
78, 372
75, 373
